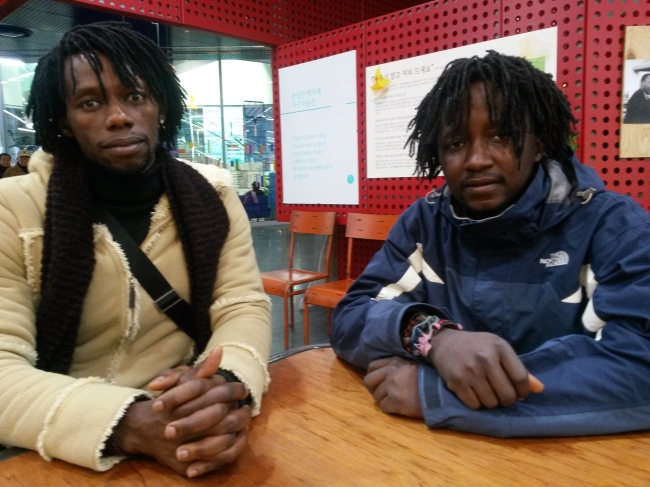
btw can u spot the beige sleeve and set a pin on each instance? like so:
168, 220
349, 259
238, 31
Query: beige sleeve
59, 416
240, 313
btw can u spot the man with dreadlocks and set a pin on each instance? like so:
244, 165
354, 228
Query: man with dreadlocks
548, 273
82, 343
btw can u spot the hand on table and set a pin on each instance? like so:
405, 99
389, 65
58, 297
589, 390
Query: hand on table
193, 426
482, 369
393, 382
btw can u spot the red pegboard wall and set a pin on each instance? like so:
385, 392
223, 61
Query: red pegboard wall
590, 46
430, 27
603, 80
167, 11
411, 32
569, 17
272, 22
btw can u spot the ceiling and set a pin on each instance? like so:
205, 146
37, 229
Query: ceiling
49, 20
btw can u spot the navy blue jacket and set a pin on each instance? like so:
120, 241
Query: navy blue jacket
563, 275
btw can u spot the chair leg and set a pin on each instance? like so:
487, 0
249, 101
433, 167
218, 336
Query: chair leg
286, 324
306, 321
329, 322
292, 321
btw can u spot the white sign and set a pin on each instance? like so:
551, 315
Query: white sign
318, 118
394, 91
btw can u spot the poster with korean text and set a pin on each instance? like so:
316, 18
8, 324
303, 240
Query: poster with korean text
318, 119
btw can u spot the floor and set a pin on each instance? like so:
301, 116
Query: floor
271, 242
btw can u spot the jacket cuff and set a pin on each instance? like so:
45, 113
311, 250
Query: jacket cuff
431, 388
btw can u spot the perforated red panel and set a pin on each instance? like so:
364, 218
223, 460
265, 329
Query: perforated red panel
271, 22
167, 11
589, 72
432, 27
411, 32
569, 17
606, 21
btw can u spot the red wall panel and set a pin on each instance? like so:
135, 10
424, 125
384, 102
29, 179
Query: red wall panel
590, 46
604, 37
270, 22
167, 11
569, 17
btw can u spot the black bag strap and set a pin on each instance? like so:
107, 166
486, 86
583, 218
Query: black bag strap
164, 296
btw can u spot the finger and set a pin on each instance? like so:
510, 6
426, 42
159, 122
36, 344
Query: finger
167, 378
229, 455
516, 372
535, 384
217, 419
485, 394
380, 393
210, 365
183, 393
469, 398
374, 378
237, 420
217, 448
196, 469
226, 392
503, 390
198, 422
378, 364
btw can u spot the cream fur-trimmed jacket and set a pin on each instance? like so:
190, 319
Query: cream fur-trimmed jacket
119, 349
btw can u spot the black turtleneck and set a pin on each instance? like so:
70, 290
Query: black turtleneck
131, 198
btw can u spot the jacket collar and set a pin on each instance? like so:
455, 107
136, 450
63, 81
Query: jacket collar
554, 193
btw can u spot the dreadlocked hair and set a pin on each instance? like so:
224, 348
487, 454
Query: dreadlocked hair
68, 247
520, 98
133, 58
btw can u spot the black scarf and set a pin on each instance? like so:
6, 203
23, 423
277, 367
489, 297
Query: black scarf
68, 252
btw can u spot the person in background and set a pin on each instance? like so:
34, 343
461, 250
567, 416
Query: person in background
94, 368
638, 106
521, 268
5, 163
21, 167
253, 193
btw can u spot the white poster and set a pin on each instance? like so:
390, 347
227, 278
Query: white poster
394, 91
318, 118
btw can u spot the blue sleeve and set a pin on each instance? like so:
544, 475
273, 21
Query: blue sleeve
366, 323
592, 385
591, 388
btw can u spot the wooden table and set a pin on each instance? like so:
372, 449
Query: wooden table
320, 426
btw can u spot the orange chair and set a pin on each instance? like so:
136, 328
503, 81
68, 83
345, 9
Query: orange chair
360, 225
282, 282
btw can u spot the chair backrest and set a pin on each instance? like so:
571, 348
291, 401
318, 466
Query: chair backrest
315, 223
368, 226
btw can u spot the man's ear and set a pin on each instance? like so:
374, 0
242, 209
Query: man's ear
539, 150
64, 127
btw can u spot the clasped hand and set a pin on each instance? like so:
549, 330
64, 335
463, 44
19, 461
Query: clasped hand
194, 426
482, 369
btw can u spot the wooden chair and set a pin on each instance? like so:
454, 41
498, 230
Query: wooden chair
360, 225
282, 282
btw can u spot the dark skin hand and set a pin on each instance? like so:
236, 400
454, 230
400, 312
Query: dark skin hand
482, 369
193, 426
393, 382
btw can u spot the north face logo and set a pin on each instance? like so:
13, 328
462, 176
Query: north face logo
556, 259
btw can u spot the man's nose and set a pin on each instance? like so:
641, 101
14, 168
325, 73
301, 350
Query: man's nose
117, 115
478, 156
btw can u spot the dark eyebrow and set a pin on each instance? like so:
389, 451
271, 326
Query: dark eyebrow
85, 91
